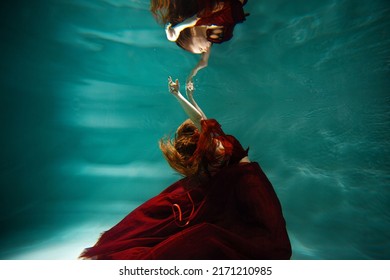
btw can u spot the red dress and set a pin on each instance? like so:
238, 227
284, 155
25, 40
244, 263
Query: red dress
231, 14
235, 214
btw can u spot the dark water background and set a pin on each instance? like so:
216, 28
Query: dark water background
83, 103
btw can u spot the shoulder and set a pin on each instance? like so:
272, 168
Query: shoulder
210, 122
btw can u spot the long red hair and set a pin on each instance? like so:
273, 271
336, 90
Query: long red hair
190, 151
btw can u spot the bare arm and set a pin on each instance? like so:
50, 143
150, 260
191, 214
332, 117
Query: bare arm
189, 83
190, 95
190, 109
203, 62
174, 32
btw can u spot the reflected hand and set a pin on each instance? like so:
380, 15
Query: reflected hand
189, 88
170, 32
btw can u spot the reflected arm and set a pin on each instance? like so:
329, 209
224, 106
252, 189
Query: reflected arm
203, 62
174, 32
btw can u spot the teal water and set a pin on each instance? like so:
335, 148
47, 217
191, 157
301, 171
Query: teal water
83, 103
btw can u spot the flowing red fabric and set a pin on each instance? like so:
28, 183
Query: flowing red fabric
234, 214
231, 14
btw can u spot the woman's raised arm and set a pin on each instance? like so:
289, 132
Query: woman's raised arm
190, 95
193, 113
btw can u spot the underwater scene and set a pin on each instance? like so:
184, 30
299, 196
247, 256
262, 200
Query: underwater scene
84, 102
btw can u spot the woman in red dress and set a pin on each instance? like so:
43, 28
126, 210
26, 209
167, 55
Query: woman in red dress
224, 207
196, 24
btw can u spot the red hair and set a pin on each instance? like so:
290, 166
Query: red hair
190, 151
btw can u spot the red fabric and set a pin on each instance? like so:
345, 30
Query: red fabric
231, 14
206, 145
235, 214
212, 129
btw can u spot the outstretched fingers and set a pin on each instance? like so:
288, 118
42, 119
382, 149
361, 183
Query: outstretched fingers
173, 86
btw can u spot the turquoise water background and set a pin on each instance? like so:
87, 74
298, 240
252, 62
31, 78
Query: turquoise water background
84, 102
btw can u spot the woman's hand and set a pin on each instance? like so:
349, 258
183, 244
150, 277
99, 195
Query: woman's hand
173, 86
191, 110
